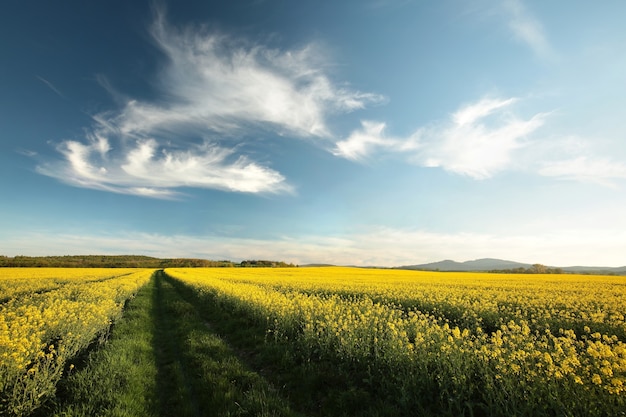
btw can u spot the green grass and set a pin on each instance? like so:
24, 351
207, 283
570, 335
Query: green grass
164, 359
119, 378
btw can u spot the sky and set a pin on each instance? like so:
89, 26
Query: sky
369, 132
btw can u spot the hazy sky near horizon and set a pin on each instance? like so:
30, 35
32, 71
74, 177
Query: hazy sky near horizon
370, 132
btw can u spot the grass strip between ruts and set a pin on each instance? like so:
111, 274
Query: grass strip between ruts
162, 359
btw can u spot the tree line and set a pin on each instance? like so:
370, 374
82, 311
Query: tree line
129, 261
533, 269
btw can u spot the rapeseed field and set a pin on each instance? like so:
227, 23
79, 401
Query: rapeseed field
503, 344
47, 317
373, 342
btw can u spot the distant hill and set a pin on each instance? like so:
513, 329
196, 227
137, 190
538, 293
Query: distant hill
486, 264
621, 270
491, 264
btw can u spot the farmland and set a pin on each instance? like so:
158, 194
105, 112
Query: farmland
311, 341
48, 316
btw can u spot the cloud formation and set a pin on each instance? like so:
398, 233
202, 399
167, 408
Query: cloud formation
603, 171
478, 140
148, 170
527, 28
218, 82
212, 87
370, 139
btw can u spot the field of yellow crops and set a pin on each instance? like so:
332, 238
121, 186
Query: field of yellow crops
380, 342
503, 344
47, 316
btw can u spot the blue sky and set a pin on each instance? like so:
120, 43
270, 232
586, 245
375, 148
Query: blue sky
382, 132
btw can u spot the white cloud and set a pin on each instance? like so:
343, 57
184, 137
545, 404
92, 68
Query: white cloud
218, 82
527, 28
212, 86
477, 141
361, 143
473, 112
590, 160
598, 170
148, 170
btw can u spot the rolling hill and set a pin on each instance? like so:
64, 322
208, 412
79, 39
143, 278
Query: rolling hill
491, 264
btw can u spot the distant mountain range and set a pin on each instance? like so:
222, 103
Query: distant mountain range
490, 264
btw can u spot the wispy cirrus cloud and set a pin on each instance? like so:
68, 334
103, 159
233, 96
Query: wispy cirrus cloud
478, 140
526, 28
371, 138
218, 82
51, 86
590, 169
212, 86
476, 111
150, 170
